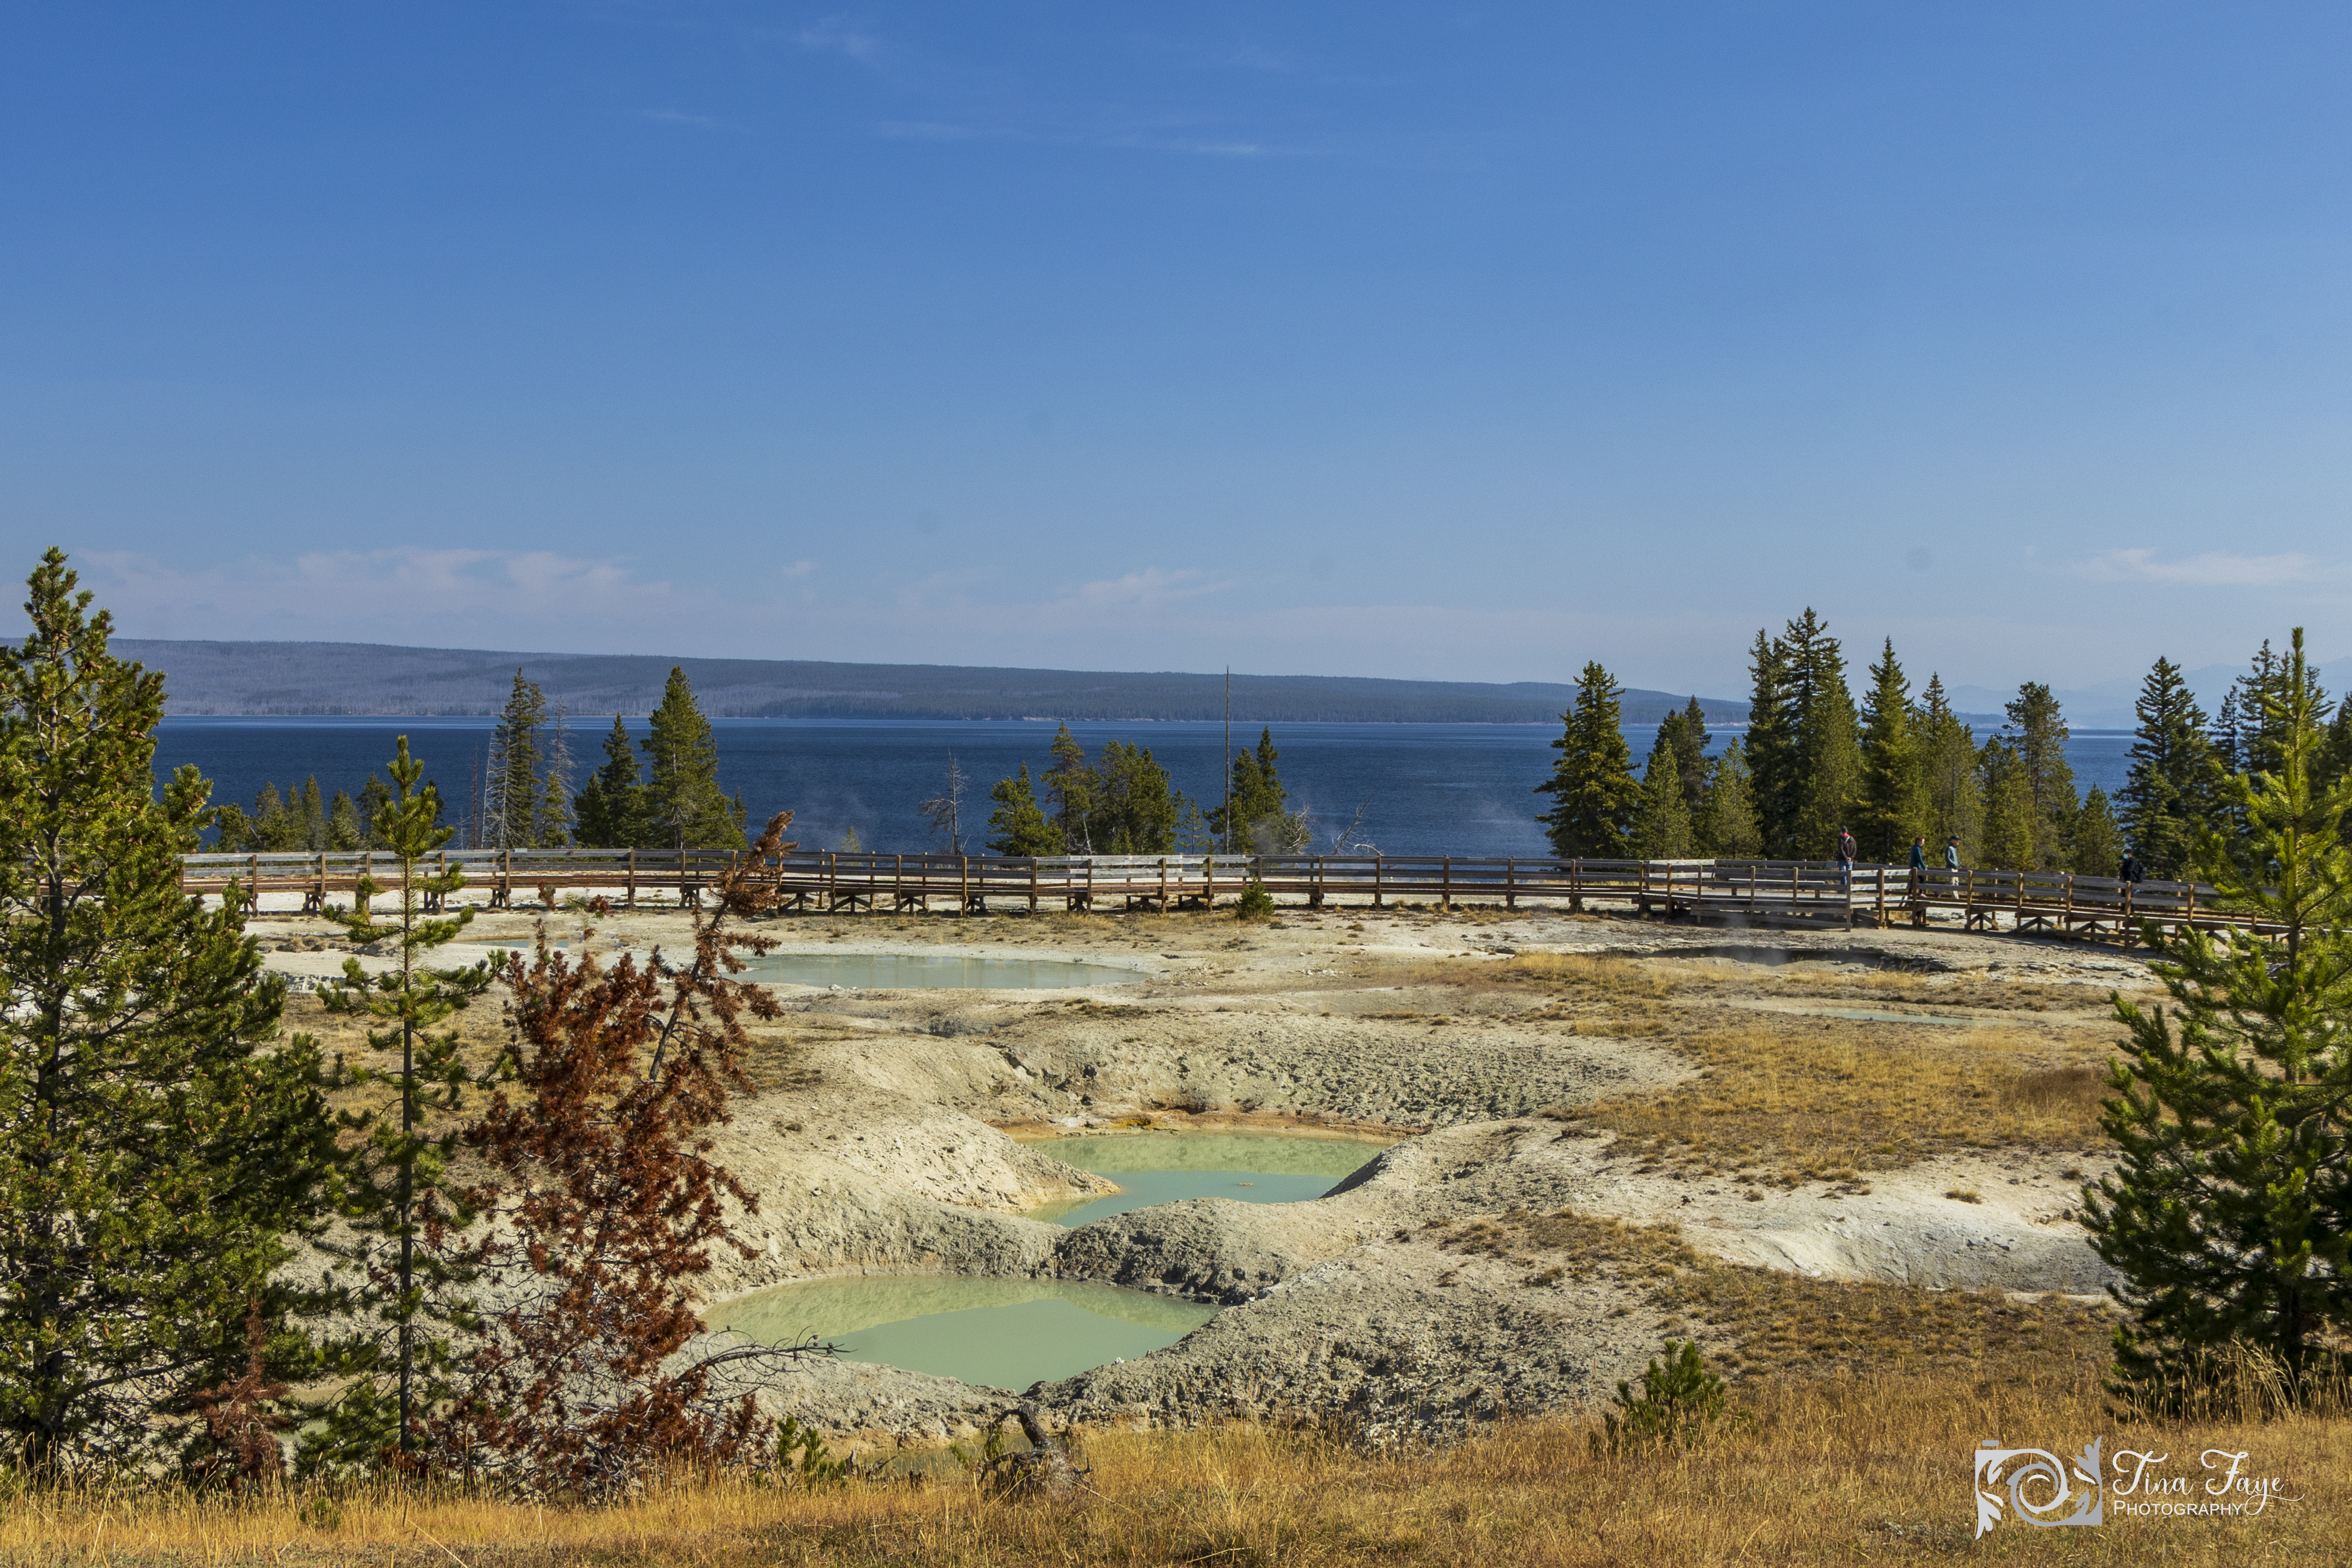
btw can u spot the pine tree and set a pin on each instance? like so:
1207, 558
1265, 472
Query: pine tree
1772, 747
611, 810
393, 1368
1071, 787
2228, 1215
1259, 821
511, 794
685, 807
1662, 829
2169, 795
1594, 793
1727, 828
1894, 809
2008, 811
311, 832
1826, 761
275, 830
374, 798
2040, 747
342, 823
2096, 848
1955, 800
1018, 825
157, 1139
1686, 737
1137, 811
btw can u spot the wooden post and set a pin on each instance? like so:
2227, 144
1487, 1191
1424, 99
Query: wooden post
1033, 884
1377, 862
1510, 882
633, 878
1164, 884
963, 884
1208, 872
1445, 884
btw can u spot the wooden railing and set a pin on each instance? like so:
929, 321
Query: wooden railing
832, 880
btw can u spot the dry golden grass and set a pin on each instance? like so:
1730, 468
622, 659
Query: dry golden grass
1816, 1097
1824, 1470
1761, 1321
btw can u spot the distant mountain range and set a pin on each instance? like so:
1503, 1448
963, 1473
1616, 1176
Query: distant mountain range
354, 678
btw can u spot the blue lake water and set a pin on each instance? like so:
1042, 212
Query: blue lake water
1463, 789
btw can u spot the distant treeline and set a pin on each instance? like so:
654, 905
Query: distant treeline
266, 678
1894, 770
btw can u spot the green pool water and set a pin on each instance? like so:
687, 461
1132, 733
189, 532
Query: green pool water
1166, 1167
925, 970
1005, 1333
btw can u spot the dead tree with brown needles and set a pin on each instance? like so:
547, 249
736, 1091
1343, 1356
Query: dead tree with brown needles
602, 1207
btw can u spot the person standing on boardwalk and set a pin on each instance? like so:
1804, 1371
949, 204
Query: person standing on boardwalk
1918, 865
1846, 858
2130, 870
1952, 858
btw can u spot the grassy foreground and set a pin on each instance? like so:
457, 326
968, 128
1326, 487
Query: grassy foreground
1825, 1471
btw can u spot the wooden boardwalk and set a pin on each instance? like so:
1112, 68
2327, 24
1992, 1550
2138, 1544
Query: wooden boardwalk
1752, 892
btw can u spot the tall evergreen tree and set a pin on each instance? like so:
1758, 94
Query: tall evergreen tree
1894, 808
2095, 848
373, 798
1827, 761
2168, 796
1594, 793
1685, 735
1136, 810
394, 1366
1948, 752
1071, 787
156, 1139
1661, 829
1018, 825
2008, 810
342, 823
516, 810
312, 833
2041, 745
685, 807
1771, 746
1726, 824
611, 811
2230, 1214
1259, 820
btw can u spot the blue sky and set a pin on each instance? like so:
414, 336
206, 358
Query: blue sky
1453, 340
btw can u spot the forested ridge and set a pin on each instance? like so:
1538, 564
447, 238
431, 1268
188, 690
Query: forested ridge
328, 678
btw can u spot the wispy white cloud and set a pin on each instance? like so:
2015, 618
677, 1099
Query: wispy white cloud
836, 36
2213, 569
678, 117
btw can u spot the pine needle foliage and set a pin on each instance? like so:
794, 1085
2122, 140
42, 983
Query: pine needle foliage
1595, 797
2230, 1216
1680, 1400
404, 1285
156, 1139
1018, 825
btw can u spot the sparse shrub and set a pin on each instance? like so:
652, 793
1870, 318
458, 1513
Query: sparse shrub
1256, 903
1680, 1399
801, 1456
1964, 1195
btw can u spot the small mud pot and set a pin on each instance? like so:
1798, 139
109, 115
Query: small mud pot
1168, 1167
1001, 1334
922, 971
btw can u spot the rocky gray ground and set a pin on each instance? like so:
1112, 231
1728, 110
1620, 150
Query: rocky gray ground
882, 1149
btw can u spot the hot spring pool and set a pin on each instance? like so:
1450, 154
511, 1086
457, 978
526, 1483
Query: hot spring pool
1005, 1333
1165, 1167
